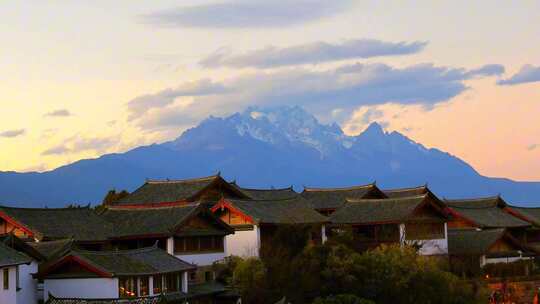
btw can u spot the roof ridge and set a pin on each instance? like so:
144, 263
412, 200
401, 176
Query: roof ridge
173, 181
307, 189
473, 199
271, 189
151, 207
47, 209
520, 207
404, 189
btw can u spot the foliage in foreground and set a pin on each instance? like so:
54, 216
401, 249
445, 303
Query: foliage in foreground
334, 273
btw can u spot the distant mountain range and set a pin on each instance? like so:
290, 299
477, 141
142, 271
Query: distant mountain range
264, 148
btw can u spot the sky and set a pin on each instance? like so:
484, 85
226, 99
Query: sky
79, 79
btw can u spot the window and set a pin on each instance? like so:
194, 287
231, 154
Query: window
127, 287
158, 284
424, 231
192, 244
192, 276
6, 278
172, 282
144, 286
198, 244
207, 243
207, 276
218, 243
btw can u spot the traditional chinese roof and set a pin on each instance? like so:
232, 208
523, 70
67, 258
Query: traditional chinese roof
333, 198
406, 192
529, 214
16, 243
53, 249
477, 242
390, 210
268, 194
144, 261
80, 223
12, 257
485, 212
286, 211
160, 221
171, 191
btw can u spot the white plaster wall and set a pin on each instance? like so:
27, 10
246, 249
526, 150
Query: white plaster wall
502, 260
243, 243
433, 247
429, 247
8, 296
28, 292
202, 259
94, 288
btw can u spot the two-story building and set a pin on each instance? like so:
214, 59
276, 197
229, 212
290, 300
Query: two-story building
419, 221
256, 221
327, 200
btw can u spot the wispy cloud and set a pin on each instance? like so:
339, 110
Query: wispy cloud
247, 13
527, 73
77, 144
346, 87
58, 113
308, 53
487, 70
12, 133
140, 105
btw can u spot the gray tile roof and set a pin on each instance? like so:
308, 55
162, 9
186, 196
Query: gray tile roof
158, 220
287, 211
486, 212
333, 198
391, 210
406, 192
12, 257
475, 242
18, 244
167, 191
53, 249
269, 194
81, 224
531, 214
144, 261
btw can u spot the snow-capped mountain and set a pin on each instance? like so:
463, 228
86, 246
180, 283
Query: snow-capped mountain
261, 148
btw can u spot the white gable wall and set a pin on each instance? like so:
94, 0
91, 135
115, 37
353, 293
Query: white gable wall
91, 288
9, 295
28, 292
244, 243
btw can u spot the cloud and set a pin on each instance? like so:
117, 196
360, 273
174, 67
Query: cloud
140, 105
371, 115
60, 149
532, 147
77, 144
487, 70
346, 87
12, 133
58, 113
315, 52
247, 13
527, 73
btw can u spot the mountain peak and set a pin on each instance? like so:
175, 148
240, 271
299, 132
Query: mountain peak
374, 129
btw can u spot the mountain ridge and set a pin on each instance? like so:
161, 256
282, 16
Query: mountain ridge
267, 147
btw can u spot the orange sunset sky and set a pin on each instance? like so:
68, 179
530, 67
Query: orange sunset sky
83, 78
